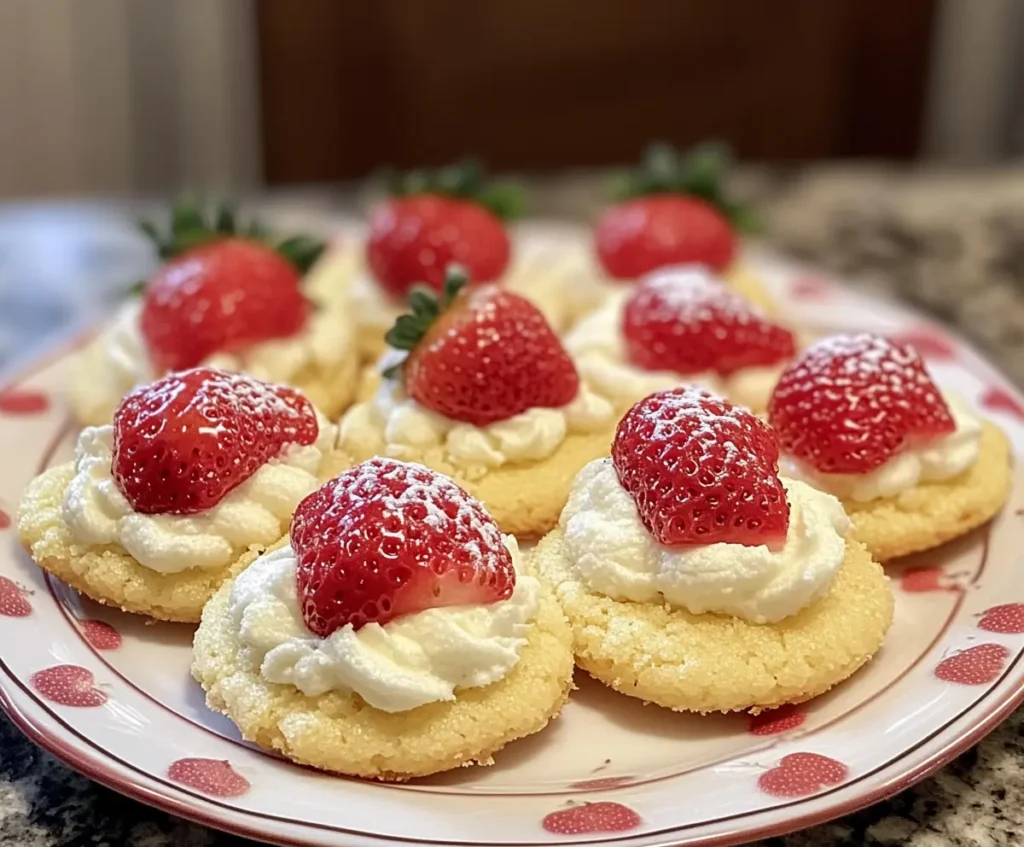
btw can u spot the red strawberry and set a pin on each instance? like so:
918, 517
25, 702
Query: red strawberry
13, 603
23, 401
592, 817
215, 777
776, 721
701, 470
101, 635
222, 296
1007, 618
414, 239
1000, 400
647, 233
973, 666
800, 774
68, 685
851, 402
387, 539
489, 356
183, 442
683, 320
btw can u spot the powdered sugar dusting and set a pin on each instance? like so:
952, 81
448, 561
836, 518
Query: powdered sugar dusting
693, 294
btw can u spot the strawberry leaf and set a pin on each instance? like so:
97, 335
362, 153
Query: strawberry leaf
424, 308
466, 180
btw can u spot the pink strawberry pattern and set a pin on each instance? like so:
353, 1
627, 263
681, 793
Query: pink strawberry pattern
5, 520
214, 777
101, 635
974, 666
999, 400
1007, 618
922, 580
929, 343
13, 600
802, 774
23, 401
68, 685
589, 818
809, 288
777, 721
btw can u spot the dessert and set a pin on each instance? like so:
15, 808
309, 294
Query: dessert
479, 388
859, 416
394, 634
198, 473
223, 297
697, 578
673, 210
680, 325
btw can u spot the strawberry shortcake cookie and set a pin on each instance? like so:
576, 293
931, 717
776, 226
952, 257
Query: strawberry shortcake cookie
226, 298
395, 634
680, 326
859, 416
697, 578
199, 473
673, 210
479, 387
435, 218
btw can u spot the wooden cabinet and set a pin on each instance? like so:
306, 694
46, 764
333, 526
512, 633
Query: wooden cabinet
350, 84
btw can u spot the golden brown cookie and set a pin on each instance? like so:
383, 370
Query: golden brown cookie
107, 574
932, 513
340, 732
719, 663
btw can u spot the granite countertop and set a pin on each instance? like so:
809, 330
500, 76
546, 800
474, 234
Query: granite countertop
951, 244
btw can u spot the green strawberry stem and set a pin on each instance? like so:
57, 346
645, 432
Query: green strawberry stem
425, 306
467, 180
193, 224
698, 172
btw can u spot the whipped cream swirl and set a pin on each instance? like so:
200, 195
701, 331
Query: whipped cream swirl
257, 512
613, 554
411, 661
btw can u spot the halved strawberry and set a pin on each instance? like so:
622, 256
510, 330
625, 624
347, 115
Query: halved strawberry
684, 320
435, 219
849, 403
482, 354
672, 211
386, 539
183, 442
701, 470
223, 287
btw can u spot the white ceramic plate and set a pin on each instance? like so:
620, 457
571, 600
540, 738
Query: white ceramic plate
111, 694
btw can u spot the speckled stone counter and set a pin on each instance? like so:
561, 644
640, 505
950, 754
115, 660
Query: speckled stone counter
951, 244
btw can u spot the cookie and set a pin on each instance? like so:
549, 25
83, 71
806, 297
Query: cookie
932, 513
718, 663
107, 574
340, 732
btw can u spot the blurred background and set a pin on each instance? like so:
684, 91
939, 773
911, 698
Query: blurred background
880, 137
129, 96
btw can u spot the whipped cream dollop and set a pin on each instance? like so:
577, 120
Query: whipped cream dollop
597, 345
417, 659
935, 461
613, 554
401, 428
257, 512
117, 360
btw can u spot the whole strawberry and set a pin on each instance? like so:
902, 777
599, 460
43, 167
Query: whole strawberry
221, 288
671, 212
182, 443
851, 402
481, 354
386, 539
683, 320
434, 220
701, 471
